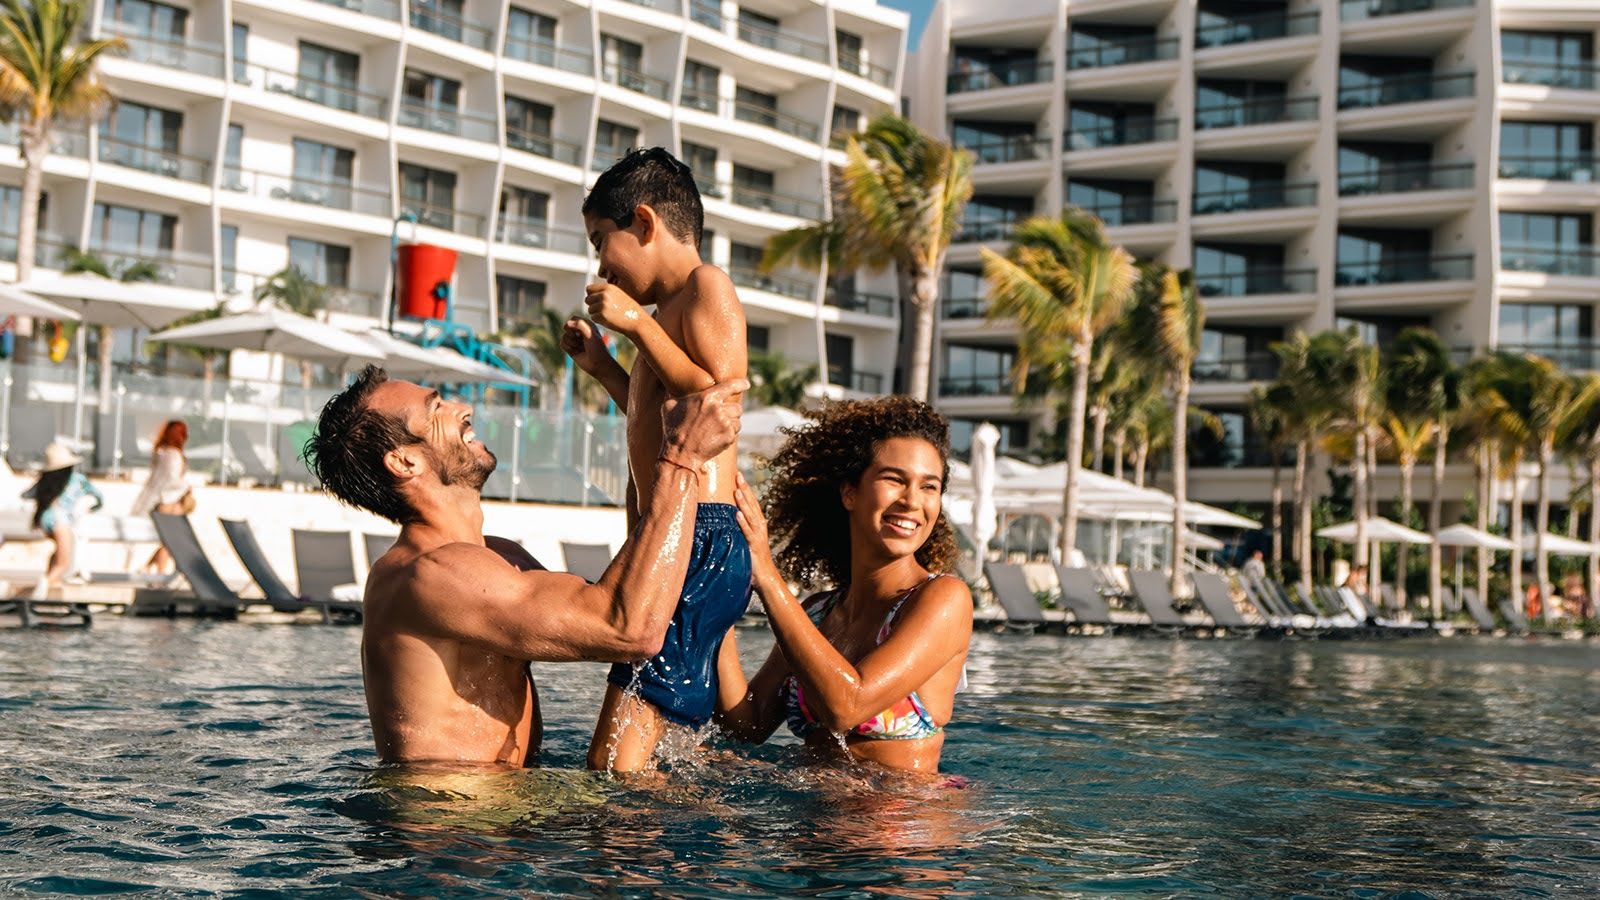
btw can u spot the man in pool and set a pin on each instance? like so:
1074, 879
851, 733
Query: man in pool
452, 617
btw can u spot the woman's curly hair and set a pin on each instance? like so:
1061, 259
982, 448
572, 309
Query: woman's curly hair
805, 516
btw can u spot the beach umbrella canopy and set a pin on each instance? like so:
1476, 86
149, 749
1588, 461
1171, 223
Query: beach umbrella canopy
1464, 535
985, 520
759, 428
404, 359
104, 301
15, 302
1378, 529
1560, 545
269, 329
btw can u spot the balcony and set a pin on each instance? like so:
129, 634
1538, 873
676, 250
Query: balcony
1404, 268
327, 193
1551, 168
777, 121
195, 58
855, 65
782, 41
794, 288
1235, 369
862, 302
1122, 134
551, 56
388, 10
706, 12
667, 6
634, 80
179, 270
1265, 111
1357, 10
1573, 260
708, 186
1261, 195
1010, 75
449, 121
1135, 211
986, 230
783, 204
339, 298
1252, 453
335, 95
1579, 355
1260, 27
443, 218
606, 156
1257, 282
1405, 177
1584, 76
1122, 53
451, 27
1406, 89
966, 307
977, 386
1007, 149
543, 145
860, 382
539, 234
154, 160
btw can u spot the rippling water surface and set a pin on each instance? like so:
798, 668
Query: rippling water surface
205, 759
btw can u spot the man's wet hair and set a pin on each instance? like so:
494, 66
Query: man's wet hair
346, 451
653, 178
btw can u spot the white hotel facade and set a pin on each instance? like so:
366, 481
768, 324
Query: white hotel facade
253, 134
1366, 163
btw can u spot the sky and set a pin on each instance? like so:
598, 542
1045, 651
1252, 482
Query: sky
919, 10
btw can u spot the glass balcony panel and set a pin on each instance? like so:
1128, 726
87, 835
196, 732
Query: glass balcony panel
195, 58
1236, 369
1584, 76
1261, 195
1403, 268
1404, 177
785, 204
446, 25
443, 218
448, 121
1405, 89
1356, 10
543, 145
335, 95
771, 118
636, 81
551, 56
1122, 53
1581, 355
1008, 75
1259, 27
1256, 282
1135, 211
1551, 168
1013, 148
707, 13
1264, 111
329, 193
1578, 260
986, 230
387, 10
154, 160
1123, 133
782, 41
540, 234
794, 288
860, 301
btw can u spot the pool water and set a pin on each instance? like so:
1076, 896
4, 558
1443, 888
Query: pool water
197, 759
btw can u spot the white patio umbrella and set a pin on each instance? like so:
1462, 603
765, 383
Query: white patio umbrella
1463, 535
1560, 545
1379, 530
122, 304
759, 428
436, 364
269, 329
17, 302
984, 517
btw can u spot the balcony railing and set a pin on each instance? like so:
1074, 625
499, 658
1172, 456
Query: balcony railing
1257, 282
1259, 27
177, 269
337, 95
1551, 168
784, 204
1404, 268
64, 140
1236, 369
987, 230
1032, 71
1580, 355
155, 160
158, 50
1252, 453
1406, 89
544, 145
1265, 111
381, 9
1356, 10
794, 288
1261, 195
977, 386
634, 80
708, 186
666, 6
453, 27
551, 56
855, 65
861, 382
1581, 260
606, 156
539, 233
862, 302
1405, 177
1135, 211
1122, 53
329, 193
1122, 134
1009, 148
782, 41
1584, 76
449, 121
969, 307
777, 121
340, 298
443, 217
706, 12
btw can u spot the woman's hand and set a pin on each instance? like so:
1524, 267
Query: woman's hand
754, 526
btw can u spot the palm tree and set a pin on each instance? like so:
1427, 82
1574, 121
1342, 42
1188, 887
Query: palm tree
1424, 381
1409, 435
208, 355
1353, 376
1305, 368
46, 75
541, 334
1272, 417
898, 202
1064, 283
773, 382
291, 289
1584, 436
1166, 321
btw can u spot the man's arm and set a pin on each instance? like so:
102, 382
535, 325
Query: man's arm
713, 332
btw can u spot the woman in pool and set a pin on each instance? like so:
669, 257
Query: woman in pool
854, 502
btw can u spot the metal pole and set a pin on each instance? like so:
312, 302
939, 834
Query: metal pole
83, 382
222, 450
516, 452
588, 435
5, 413
116, 433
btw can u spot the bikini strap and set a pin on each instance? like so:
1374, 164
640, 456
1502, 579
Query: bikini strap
883, 631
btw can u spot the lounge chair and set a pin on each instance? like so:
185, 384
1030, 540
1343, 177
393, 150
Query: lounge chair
376, 546
1478, 609
273, 590
587, 561
212, 596
1515, 617
1150, 588
1010, 587
1081, 594
1213, 594
324, 565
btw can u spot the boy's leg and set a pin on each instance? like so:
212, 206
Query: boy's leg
625, 738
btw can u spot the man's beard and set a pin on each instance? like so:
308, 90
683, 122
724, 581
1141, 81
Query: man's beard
458, 465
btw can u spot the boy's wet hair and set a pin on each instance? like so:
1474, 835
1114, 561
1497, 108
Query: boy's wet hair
654, 178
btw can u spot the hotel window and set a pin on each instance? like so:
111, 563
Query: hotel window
1538, 326
845, 120
134, 126
1565, 231
700, 85
228, 249
330, 76
849, 50
431, 91
530, 28
158, 20
758, 337
323, 173
232, 159
614, 138
619, 57
841, 350
127, 231
327, 264
518, 299
758, 29
428, 194
702, 161
241, 53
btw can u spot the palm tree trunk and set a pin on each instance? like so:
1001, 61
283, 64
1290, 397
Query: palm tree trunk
1484, 460
1100, 411
107, 335
1372, 476
1075, 428
1180, 477
1441, 436
1594, 520
925, 294
1541, 558
1302, 507
1119, 445
1141, 455
1277, 513
1408, 465
1358, 466
1516, 530
35, 146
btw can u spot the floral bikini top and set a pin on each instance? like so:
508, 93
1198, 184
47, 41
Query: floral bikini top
906, 719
